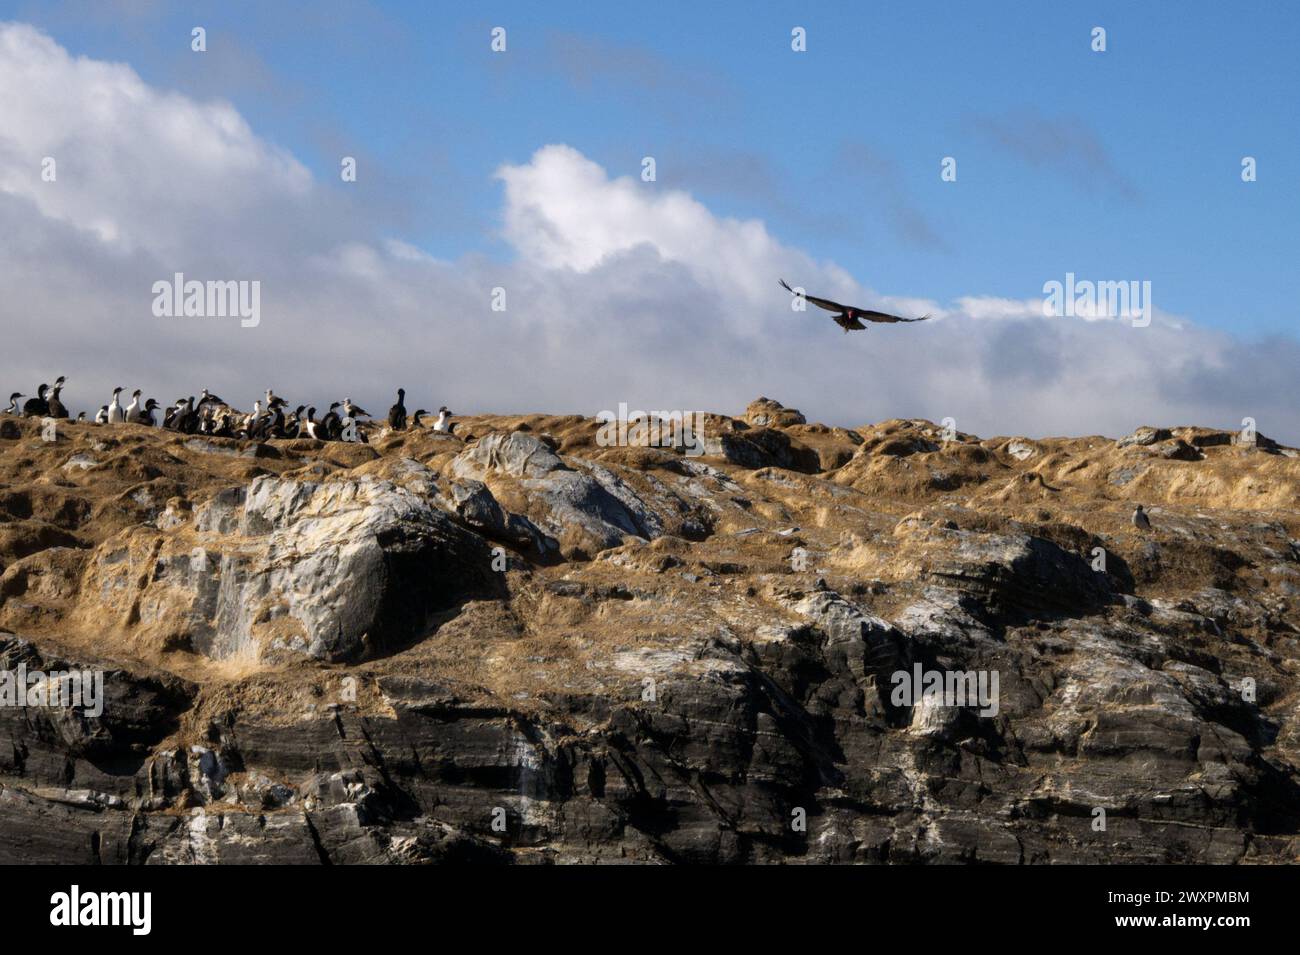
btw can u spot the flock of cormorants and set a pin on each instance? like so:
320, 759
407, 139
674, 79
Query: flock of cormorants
210, 415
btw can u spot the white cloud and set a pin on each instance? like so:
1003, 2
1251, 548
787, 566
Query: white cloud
138, 168
564, 212
619, 291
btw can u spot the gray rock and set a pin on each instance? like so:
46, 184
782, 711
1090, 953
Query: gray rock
516, 454
1144, 436
474, 503
761, 448
1021, 449
1178, 450
598, 503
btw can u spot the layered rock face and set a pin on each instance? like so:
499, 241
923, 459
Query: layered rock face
522, 646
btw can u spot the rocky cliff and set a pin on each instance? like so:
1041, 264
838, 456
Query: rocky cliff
521, 646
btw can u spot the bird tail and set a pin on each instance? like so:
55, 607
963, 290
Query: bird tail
786, 287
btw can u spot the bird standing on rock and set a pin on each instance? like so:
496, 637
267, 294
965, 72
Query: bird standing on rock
293, 423
252, 418
270, 417
187, 420
141, 415
55, 407
1140, 519
274, 421
397, 413
38, 406
444, 424
133, 408
331, 425
115, 413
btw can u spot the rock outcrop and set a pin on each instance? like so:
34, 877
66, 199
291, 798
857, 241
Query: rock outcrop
285, 567
530, 647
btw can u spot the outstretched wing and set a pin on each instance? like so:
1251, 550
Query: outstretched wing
819, 302
884, 316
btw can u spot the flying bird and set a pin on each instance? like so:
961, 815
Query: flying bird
849, 316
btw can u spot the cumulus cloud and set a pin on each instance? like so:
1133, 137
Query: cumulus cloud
617, 290
141, 169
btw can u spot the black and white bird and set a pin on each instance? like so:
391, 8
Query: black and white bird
133, 408
293, 424
416, 424
181, 416
189, 418
172, 413
55, 406
397, 413
38, 406
101, 416
138, 414
352, 411
13, 403
444, 424
331, 425
252, 419
849, 317
273, 420
1140, 519
116, 415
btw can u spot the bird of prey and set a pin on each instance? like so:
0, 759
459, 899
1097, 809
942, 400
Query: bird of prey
849, 317
1140, 519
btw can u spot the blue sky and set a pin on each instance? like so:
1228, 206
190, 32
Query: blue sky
836, 149
521, 170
